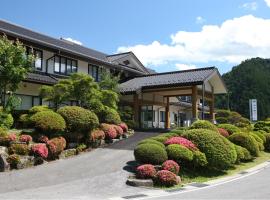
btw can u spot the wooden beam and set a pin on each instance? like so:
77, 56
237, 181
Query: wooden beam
167, 114
194, 103
149, 102
166, 89
136, 108
212, 107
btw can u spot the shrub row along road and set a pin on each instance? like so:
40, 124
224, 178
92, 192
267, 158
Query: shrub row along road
95, 175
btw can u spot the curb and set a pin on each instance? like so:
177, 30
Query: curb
151, 193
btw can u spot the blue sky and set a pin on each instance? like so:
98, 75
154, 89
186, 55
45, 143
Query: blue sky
165, 34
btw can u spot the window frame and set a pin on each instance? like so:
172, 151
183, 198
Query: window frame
162, 116
66, 59
91, 71
28, 49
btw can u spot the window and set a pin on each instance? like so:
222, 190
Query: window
37, 64
28, 101
94, 71
63, 65
162, 116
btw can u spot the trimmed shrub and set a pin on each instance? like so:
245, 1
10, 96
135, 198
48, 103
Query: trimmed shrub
25, 138
36, 109
81, 148
43, 139
220, 152
223, 113
222, 120
110, 132
246, 141
267, 143
40, 150
123, 126
25, 120
78, 119
199, 159
20, 149
261, 135
56, 146
13, 160
12, 137
150, 154
223, 132
258, 140
109, 115
230, 128
178, 132
118, 130
4, 139
6, 120
165, 178
262, 125
182, 141
171, 166
97, 134
151, 141
179, 153
161, 139
48, 122
240, 153
145, 171
3, 132
203, 124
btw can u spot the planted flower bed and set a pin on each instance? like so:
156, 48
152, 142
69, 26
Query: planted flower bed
201, 149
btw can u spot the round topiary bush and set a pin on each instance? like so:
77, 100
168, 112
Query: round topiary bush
36, 109
56, 146
48, 122
181, 141
258, 140
203, 124
118, 130
145, 171
109, 115
6, 120
179, 153
240, 153
230, 128
220, 152
246, 141
223, 132
171, 166
123, 126
150, 154
151, 141
25, 120
78, 119
165, 178
40, 150
161, 139
267, 142
109, 130
20, 149
261, 135
199, 159
96, 134
222, 120
25, 138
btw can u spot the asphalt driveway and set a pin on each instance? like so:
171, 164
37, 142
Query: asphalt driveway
98, 174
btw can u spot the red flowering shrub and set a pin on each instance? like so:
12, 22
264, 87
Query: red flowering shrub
171, 166
123, 126
145, 171
25, 138
40, 150
97, 135
109, 130
118, 130
43, 139
56, 146
223, 132
181, 141
166, 178
12, 137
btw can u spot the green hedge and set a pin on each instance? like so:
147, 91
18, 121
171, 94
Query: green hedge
109, 115
220, 152
230, 128
203, 124
179, 153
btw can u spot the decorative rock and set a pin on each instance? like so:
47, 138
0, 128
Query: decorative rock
4, 165
67, 153
25, 161
3, 150
178, 180
115, 140
17, 142
140, 182
72, 145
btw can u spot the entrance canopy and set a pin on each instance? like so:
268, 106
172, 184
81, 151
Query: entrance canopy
164, 88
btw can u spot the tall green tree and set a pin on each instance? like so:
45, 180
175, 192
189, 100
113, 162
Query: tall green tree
248, 80
109, 82
14, 66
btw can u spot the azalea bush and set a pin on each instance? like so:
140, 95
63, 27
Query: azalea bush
109, 130
56, 146
97, 134
118, 130
165, 178
123, 126
223, 132
25, 138
43, 139
40, 150
171, 166
13, 160
181, 141
145, 171
20, 149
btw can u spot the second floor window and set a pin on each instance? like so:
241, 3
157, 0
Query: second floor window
37, 64
63, 65
95, 72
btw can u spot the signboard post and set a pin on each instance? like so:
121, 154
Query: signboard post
253, 110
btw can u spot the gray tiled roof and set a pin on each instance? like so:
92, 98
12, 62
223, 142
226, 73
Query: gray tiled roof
186, 77
39, 77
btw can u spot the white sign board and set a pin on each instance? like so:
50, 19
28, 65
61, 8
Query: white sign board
253, 110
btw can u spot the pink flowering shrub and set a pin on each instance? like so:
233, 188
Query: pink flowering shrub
25, 138
40, 150
123, 126
166, 178
109, 130
12, 137
171, 166
43, 139
118, 130
181, 141
223, 132
145, 171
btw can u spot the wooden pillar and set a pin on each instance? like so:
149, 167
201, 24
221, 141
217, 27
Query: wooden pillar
194, 103
167, 114
212, 108
136, 109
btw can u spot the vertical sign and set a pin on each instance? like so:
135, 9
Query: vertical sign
253, 110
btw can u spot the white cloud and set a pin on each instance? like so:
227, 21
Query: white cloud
267, 2
73, 41
200, 20
180, 66
250, 6
233, 41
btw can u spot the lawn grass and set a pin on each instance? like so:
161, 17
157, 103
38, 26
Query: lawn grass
207, 175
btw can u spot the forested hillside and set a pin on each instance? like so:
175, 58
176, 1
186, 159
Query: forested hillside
248, 80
